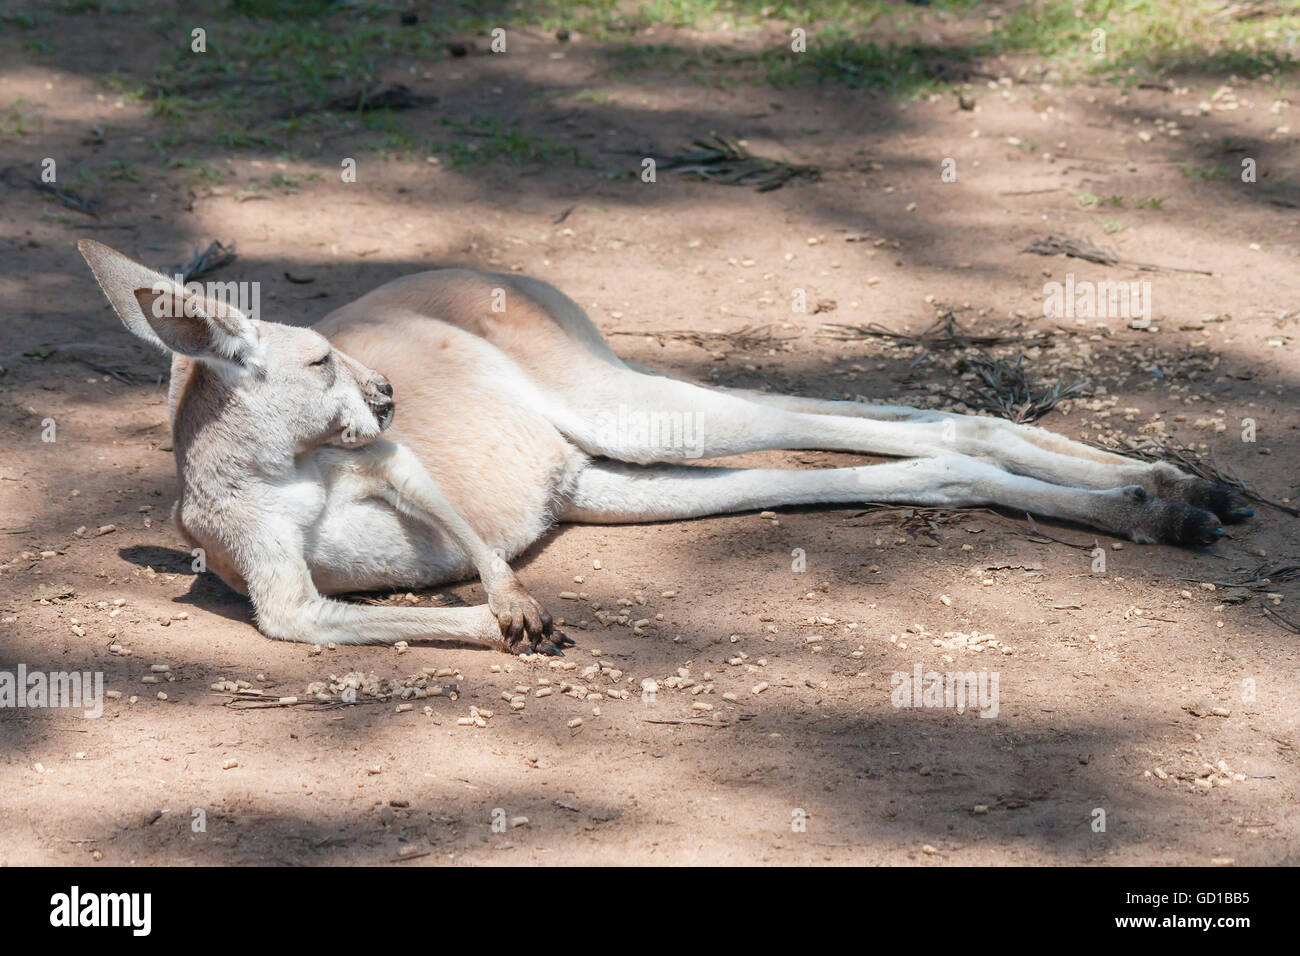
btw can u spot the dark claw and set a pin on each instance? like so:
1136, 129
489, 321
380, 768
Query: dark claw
1219, 533
553, 646
1228, 503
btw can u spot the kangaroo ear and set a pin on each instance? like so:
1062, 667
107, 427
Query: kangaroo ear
119, 277
200, 326
163, 314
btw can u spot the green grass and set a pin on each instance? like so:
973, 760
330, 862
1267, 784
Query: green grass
19, 119
836, 56
123, 170
267, 55
292, 182
1118, 202
198, 172
1145, 37
1215, 171
484, 139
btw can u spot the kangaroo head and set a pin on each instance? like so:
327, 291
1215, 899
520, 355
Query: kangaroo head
288, 383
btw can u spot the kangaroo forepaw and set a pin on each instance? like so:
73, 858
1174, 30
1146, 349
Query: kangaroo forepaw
525, 627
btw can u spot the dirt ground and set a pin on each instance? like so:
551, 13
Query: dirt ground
1147, 690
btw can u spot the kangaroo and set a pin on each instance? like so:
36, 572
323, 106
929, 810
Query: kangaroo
300, 483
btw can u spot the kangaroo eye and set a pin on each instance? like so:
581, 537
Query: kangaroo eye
323, 360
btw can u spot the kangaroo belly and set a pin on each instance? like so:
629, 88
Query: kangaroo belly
365, 545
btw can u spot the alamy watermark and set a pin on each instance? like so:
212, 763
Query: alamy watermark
244, 296
637, 432
1084, 299
956, 690
40, 690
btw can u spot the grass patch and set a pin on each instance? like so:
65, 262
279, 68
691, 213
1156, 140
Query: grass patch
899, 69
484, 139
198, 172
19, 118
1144, 37
1205, 171
123, 170
1117, 201
265, 54
292, 182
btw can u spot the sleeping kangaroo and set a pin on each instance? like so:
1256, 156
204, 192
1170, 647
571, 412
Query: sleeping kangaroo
298, 482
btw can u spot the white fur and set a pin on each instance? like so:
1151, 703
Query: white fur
288, 486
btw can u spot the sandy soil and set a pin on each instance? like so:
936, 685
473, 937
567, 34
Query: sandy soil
1110, 681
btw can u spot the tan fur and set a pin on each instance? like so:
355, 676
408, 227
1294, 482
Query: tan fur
512, 413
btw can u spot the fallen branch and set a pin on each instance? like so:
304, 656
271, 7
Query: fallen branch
1008, 392
746, 337
69, 198
1277, 618
1079, 248
723, 161
209, 260
255, 700
943, 333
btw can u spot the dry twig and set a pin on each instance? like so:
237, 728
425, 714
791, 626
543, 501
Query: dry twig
716, 159
745, 337
1080, 248
209, 260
